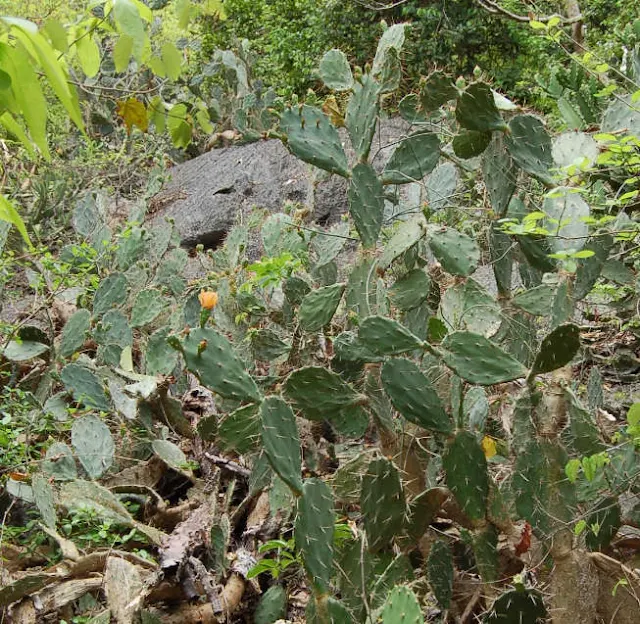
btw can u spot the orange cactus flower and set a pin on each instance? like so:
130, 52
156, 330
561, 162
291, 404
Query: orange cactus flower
208, 299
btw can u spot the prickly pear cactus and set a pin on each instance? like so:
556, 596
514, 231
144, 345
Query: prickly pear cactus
402, 607
466, 474
212, 358
281, 441
440, 572
314, 528
382, 503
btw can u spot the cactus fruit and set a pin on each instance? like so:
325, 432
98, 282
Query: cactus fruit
413, 395
477, 111
85, 387
466, 474
314, 528
457, 253
74, 332
557, 349
111, 293
212, 358
470, 144
94, 445
401, 607
382, 503
436, 90
312, 138
407, 234
440, 572
589, 269
384, 336
362, 115
530, 147
524, 606
410, 290
478, 360
335, 71
366, 203
281, 441
272, 606
414, 158
500, 174
536, 301
239, 430
318, 392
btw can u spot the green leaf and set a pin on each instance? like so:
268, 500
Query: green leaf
122, 52
9, 214
27, 92
183, 11
12, 126
57, 34
172, 60
89, 55
179, 127
129, 22
54, 73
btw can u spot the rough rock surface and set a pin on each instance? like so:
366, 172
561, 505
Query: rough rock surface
205, 196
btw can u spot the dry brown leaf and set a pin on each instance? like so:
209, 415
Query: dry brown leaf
123, 587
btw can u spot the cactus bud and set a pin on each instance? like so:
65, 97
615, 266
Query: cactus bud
477, 72
461, 83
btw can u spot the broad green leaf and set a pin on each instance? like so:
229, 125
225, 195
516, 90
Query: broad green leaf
57, 34
9, 214
54, 72
183, 11
122, 52
172, 60
27, 92
129, 22
12, 126
179, 127
88, 55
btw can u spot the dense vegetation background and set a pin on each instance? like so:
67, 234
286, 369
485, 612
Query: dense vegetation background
340, 423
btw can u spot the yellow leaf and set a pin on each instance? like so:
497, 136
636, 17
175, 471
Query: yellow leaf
133, 113
489, 447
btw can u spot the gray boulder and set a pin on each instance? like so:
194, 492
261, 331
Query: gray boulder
206, 195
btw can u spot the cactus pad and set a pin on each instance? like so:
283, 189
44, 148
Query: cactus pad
318, 392
366, 203
382, 503
457, 253
212, 358
477, 111
314, 528
384, 336
402, 607
557, 349
281, 441
530, 146
413, 395
414, 158
478, 360
335, 71
362, 115
312, 138
524, 606
440, 572
466, 474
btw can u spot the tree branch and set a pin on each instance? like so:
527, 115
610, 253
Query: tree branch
496, 9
